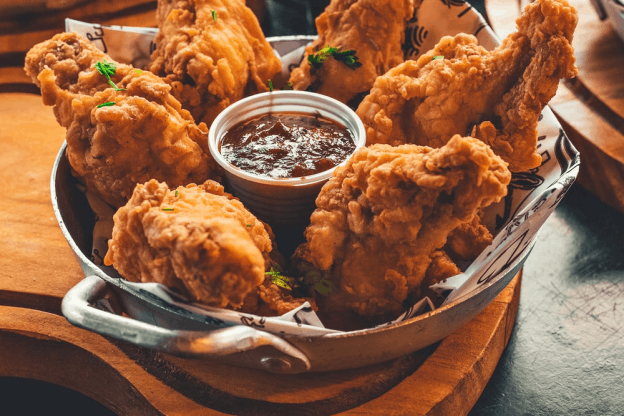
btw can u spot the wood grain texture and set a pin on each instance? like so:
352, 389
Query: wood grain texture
38, 267
44, 346
20, 32
591, 106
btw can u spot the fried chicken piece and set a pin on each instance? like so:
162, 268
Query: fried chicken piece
469, 239
145, 134
211, 62
426, 102
375, 29
382, 216
440, 268
271, 300
198, 239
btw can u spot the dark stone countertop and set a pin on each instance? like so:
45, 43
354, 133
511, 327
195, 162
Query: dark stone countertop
566, 352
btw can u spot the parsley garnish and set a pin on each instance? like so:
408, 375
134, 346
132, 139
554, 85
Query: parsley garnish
107, 69
289, 86
270, 85
108, 103
278, 279
214, 15
439, 56
139, 71
346, 57
167, 209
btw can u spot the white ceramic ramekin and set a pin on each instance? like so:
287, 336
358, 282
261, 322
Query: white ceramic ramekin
280, 201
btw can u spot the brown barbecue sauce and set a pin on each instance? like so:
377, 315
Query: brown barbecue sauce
287, 145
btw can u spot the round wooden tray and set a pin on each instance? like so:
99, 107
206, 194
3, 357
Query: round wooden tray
36, 342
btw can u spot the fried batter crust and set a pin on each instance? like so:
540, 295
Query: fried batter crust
208, 245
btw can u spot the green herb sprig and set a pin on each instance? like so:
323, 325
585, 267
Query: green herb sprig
347, 57
107, 104
107, 69
214, 15
278, 279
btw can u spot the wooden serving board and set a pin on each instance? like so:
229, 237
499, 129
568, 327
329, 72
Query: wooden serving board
590, 107
37, 268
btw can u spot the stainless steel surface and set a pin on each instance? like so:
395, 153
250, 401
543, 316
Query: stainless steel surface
78, 308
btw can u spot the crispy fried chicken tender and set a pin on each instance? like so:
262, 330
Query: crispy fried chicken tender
198, 239
211, 61
382, 217
375, 29
142, 133
426, 102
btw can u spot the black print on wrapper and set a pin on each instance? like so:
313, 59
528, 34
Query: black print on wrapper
100, 260
505, 259
567, 156
519, 181
251, 321
300, 316
519, 220
480, 28
97, 36
415, 36
466, 10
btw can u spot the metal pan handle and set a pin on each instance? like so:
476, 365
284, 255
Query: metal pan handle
257, 348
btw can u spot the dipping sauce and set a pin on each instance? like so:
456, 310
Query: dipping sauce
287, 145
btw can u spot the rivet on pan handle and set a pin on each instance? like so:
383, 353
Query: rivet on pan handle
258, 348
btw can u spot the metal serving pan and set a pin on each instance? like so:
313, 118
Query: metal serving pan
107, 304
151, 323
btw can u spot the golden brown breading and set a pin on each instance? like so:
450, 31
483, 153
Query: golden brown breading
441, 268
271, 300
381, 217
469, 239
375, 29
209, 245
426, 102
146, 134
211, 63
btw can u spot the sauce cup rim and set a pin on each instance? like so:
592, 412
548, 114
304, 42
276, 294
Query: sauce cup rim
302, 98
